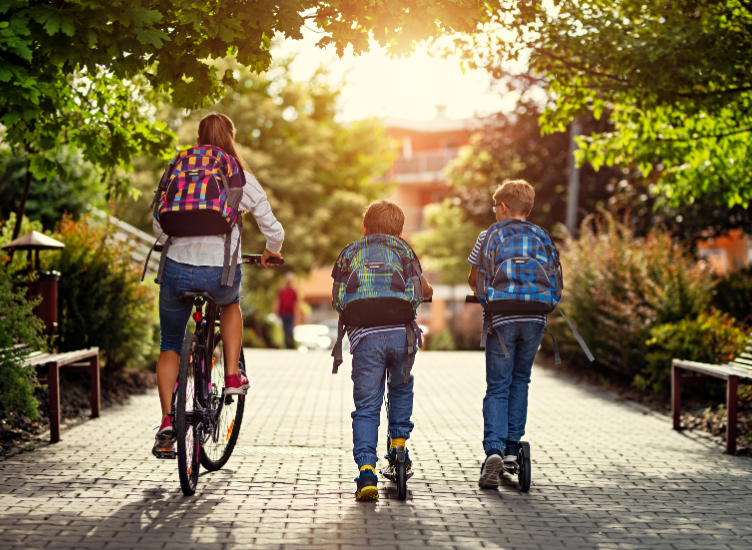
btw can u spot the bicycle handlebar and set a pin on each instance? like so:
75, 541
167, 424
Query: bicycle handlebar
255, 259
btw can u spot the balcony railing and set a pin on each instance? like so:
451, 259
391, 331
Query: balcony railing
425, 161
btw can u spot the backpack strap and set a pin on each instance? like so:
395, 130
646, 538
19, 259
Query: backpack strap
337, 350
148, 256
162, 261
502, 342
162, 187
229, 267
577, 336
414, 342
557, 358
488, 327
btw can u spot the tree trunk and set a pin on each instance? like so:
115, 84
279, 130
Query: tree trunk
22, 203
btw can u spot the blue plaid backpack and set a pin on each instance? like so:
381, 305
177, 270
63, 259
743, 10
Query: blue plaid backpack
378, 282
520, 274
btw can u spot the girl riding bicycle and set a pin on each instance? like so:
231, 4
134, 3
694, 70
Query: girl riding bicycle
196, 264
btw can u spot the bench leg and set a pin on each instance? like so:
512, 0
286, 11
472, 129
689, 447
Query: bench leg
732, 398
53, 383
676, 396
95, 386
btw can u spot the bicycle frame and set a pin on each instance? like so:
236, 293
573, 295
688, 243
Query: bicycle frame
205, 333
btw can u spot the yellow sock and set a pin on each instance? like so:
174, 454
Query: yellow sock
397, 441
368, 467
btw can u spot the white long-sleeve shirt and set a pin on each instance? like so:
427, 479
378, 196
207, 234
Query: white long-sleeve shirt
210, 250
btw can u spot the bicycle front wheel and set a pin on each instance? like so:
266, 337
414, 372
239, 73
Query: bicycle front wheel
185, 421
228, 411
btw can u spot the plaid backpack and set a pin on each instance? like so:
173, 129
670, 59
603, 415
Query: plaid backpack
378, 282
520, 274
198, 195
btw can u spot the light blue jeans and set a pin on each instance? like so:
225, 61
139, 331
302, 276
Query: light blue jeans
507, 381
374, 356
173, 314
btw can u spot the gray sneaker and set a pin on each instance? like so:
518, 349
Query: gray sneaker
489, 472
510, 455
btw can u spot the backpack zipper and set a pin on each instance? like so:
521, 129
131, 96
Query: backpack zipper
548, 279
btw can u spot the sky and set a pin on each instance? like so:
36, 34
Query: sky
411, 88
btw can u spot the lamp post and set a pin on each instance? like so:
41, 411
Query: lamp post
44, 284
574, 179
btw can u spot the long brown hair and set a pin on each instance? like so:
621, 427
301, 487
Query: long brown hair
218, 130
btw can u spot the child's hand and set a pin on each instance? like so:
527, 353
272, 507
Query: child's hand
266, 255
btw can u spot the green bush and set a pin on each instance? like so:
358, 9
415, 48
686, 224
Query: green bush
712, 337
617, 288
733, 294
101, 301
441, 341
18, 325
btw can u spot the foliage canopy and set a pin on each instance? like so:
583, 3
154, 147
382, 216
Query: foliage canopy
81, 71
673, 78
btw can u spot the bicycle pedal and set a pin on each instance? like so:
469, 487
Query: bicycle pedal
166, 454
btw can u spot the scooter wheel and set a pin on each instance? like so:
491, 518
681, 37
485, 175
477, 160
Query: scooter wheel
401, 480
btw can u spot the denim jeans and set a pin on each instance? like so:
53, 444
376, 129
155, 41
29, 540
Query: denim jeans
174, 315
507, 381
374, 356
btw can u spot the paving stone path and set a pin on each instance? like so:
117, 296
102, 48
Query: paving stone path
606, 475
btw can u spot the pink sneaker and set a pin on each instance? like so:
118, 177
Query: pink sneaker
236, 384
165, 439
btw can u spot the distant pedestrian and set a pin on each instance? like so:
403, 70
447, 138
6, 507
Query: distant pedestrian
287, 307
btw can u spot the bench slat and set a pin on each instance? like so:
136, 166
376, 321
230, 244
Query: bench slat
719, 371
39, 358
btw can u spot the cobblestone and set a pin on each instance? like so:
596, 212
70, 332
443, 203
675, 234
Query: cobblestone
605, 475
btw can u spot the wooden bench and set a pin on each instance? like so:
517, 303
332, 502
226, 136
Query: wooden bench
738, 369
85, 360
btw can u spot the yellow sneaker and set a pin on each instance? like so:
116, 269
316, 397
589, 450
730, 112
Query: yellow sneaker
367, 484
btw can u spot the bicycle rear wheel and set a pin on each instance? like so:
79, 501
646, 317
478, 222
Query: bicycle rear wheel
185, 423
216, 450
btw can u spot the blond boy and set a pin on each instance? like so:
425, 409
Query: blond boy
507, 377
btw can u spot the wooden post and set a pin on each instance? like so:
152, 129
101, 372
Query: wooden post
95, 394
732, 397
53, 383
676, 380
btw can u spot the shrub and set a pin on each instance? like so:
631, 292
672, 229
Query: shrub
18, 325
618, 287
441, 341
733, 294
712, 337
101, 301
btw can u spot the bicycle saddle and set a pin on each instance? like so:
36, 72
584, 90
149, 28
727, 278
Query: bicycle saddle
190, 295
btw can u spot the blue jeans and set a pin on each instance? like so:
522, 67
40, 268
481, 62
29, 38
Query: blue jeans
174, 315
507, 381
374, 356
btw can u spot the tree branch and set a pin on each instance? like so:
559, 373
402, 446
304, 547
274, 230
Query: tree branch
616, 78
711, 136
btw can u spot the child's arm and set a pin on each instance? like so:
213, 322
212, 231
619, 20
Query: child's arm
427, 289
473, 277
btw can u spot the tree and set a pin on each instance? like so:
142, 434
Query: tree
80, 72
510, 146
446, 242
50, 200
319, 174
671, 76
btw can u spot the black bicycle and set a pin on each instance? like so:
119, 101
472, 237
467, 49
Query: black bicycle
207, 422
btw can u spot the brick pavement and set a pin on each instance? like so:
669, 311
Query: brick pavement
605, 475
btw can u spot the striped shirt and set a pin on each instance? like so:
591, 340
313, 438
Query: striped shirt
498, 320
356, 334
